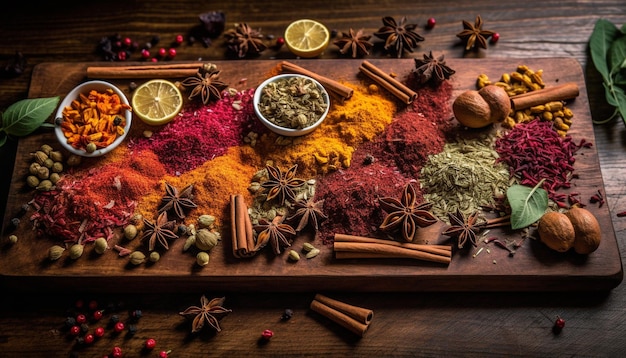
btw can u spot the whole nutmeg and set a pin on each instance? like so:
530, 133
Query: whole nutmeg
586, 228
478, 109
556, 231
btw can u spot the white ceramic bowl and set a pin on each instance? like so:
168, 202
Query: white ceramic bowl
285, 131
100, 86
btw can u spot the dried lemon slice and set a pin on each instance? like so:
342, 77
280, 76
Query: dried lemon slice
157, 101
307, 38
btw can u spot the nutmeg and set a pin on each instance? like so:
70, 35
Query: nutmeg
556, 231
477, 109
587, 230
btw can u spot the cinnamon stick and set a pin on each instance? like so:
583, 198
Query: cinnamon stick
388, 251
333, 87
354, 318
177, 70
394, 86
241, 228
444, 250
555, 93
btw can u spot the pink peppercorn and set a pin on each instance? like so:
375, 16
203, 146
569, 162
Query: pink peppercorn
119, 327
162, 52
89, 338
99, 332
116, 352
81, 318
171, 52
179, 39
495, 37
145, 53
150, 343
267, 334
431, 23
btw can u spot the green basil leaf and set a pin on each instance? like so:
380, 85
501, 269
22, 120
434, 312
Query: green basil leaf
617, 53
600, 41
25, 116
527, 204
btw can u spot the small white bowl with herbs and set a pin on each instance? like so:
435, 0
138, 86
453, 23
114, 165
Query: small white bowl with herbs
291, 104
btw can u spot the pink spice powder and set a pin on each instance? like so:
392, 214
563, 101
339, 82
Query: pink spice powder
200, 133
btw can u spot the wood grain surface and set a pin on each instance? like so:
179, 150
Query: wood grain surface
405, 324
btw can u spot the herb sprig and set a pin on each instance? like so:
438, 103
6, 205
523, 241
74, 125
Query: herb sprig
608, 53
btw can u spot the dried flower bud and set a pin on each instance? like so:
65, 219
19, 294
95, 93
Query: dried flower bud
137, 258
34, 168
154, 256
206, 240
55, 252
191, 240
76, 251
48, 163
45, 185
43, 173
202, 258
40, 157
100, 245
130, 232
57, 167
54, 178
206, 221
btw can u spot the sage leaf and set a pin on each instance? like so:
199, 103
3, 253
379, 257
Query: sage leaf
527, 204
25, 116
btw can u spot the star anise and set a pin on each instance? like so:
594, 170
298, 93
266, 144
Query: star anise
206, 84
461, 228
206, 313
275, 232
474, 34
177, 200
159, 231
281, 184
406, 214
398, 37
354, 42
432, 69
309, 212
244, 40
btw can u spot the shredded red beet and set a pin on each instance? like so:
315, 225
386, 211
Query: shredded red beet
200, 133
534, 151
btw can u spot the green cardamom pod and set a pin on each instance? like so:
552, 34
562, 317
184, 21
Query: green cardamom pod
311, 254
73, 160
206, 221
307, 247
76, 251
191, 240
56, 155
46, 148
100, 245
294, 255
137, 258
130, 232
55, 252
154, 256
202, 258
206, 239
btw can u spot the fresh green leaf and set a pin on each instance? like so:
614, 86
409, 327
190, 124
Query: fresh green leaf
609, 93
25, 116
617, 54
600, 42
620, 96
527, 204
3, 138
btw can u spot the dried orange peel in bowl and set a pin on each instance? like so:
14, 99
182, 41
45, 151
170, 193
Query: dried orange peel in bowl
94, 118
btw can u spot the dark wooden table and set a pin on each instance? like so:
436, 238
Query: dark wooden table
405, 324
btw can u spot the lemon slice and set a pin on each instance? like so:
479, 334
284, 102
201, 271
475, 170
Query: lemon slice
306, 38
157, 102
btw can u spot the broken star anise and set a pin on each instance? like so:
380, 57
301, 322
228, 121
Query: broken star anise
433, 69
205, 84
177, 200
474, 34
461, 228
406, 214
206, 313
159, 231
275, 232
308, 212
281, 184
355, 43
399, 37
244, 40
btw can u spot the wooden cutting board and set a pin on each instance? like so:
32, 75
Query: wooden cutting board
534, 268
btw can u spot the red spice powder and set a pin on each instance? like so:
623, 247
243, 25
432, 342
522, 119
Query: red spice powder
92, 202
381, 168
200, 133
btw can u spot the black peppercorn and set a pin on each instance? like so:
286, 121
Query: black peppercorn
286, 315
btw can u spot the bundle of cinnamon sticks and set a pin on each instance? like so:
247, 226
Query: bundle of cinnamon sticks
397, 88
351, 247
241, 228
354, 318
